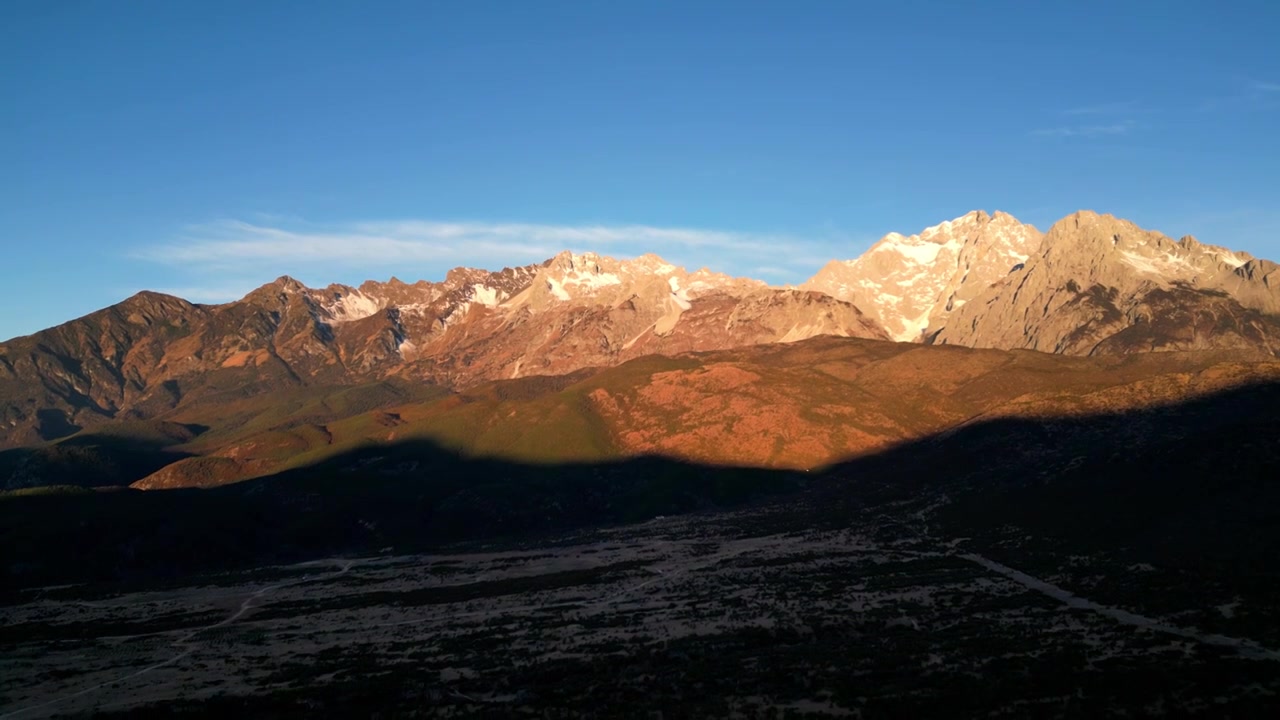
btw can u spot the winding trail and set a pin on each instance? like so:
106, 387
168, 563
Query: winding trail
1246, 648
186, 642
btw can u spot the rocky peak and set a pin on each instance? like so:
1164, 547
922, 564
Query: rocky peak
911, 284
459, 276
1096, 277
597, 280
148, 306
1093, 247
651, 262
286, 283
568, 262
147, 297
277, 293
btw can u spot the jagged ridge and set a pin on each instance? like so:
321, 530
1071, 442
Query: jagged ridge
1093, 285
153, 353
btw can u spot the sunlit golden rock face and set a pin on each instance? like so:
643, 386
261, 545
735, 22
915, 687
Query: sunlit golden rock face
911, 285
1099, 284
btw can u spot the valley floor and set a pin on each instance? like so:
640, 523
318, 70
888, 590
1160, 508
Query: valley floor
727, 615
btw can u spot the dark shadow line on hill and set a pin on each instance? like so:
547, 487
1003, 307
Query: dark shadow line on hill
95, 459
1157, 469
1190, 482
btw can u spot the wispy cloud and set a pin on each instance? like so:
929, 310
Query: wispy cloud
1093, 121
1244, 95
232, 243
1086, 131
208, 263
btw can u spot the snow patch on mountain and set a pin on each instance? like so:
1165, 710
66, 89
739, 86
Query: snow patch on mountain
355, 305
1186, 260
916, 249
557, 289
1164, 264
484, 295
418, 309
1231, 259
681, 297
589, 281
914, 327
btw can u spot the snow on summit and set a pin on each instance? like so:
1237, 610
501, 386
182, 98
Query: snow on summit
909, 284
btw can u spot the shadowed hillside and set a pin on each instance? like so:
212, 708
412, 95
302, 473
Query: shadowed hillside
116, 455
1183, 480
406, 496
280, 426
1193, 483
1081, 562
1183, 498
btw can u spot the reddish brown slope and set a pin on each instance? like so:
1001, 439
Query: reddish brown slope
795, 405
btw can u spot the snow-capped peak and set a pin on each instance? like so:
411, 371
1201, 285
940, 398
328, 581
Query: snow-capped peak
911, 282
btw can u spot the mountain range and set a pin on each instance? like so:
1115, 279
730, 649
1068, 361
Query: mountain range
240, 389
976, 451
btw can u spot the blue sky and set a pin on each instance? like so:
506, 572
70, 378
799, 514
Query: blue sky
204, 148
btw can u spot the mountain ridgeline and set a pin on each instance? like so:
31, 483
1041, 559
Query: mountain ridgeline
1092, 285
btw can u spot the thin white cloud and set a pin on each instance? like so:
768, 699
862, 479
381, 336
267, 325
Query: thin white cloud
561, 236
234, 243
1086, 131
212, 262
